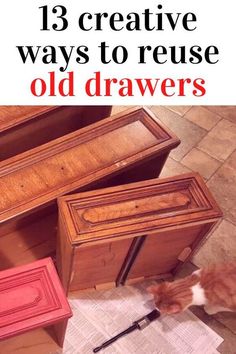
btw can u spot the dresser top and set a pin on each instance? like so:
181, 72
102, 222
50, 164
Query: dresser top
31, 296
137, 208
40, 175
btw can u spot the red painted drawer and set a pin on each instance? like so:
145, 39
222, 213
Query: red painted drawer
31, 296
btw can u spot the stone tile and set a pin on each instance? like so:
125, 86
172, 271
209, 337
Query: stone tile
227, 112
181, 110
201, 162
220, 142
229, 344
228, 319
223, 186
187, 269
219, 247
118, 109
202, 117
172, 168
189, 133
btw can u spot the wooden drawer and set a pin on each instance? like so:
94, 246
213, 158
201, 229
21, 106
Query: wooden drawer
137, 230
124, 148
25, 127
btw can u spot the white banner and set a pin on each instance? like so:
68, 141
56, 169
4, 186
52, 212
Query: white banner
126, 52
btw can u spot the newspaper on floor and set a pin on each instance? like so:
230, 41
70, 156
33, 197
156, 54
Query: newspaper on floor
100, 315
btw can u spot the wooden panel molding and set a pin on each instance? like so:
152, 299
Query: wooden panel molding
32, 297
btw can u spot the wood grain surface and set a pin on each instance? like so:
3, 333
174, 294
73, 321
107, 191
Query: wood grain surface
25, 127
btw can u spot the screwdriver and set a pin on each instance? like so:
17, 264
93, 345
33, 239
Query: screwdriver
139, 324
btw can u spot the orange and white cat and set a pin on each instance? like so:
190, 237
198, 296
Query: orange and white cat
214, 287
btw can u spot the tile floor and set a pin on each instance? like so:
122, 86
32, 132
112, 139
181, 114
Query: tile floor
208, 146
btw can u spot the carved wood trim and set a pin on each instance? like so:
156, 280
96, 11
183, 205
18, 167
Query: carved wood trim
31, 296
138, 208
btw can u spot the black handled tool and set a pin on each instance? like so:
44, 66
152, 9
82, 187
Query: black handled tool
139, 324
